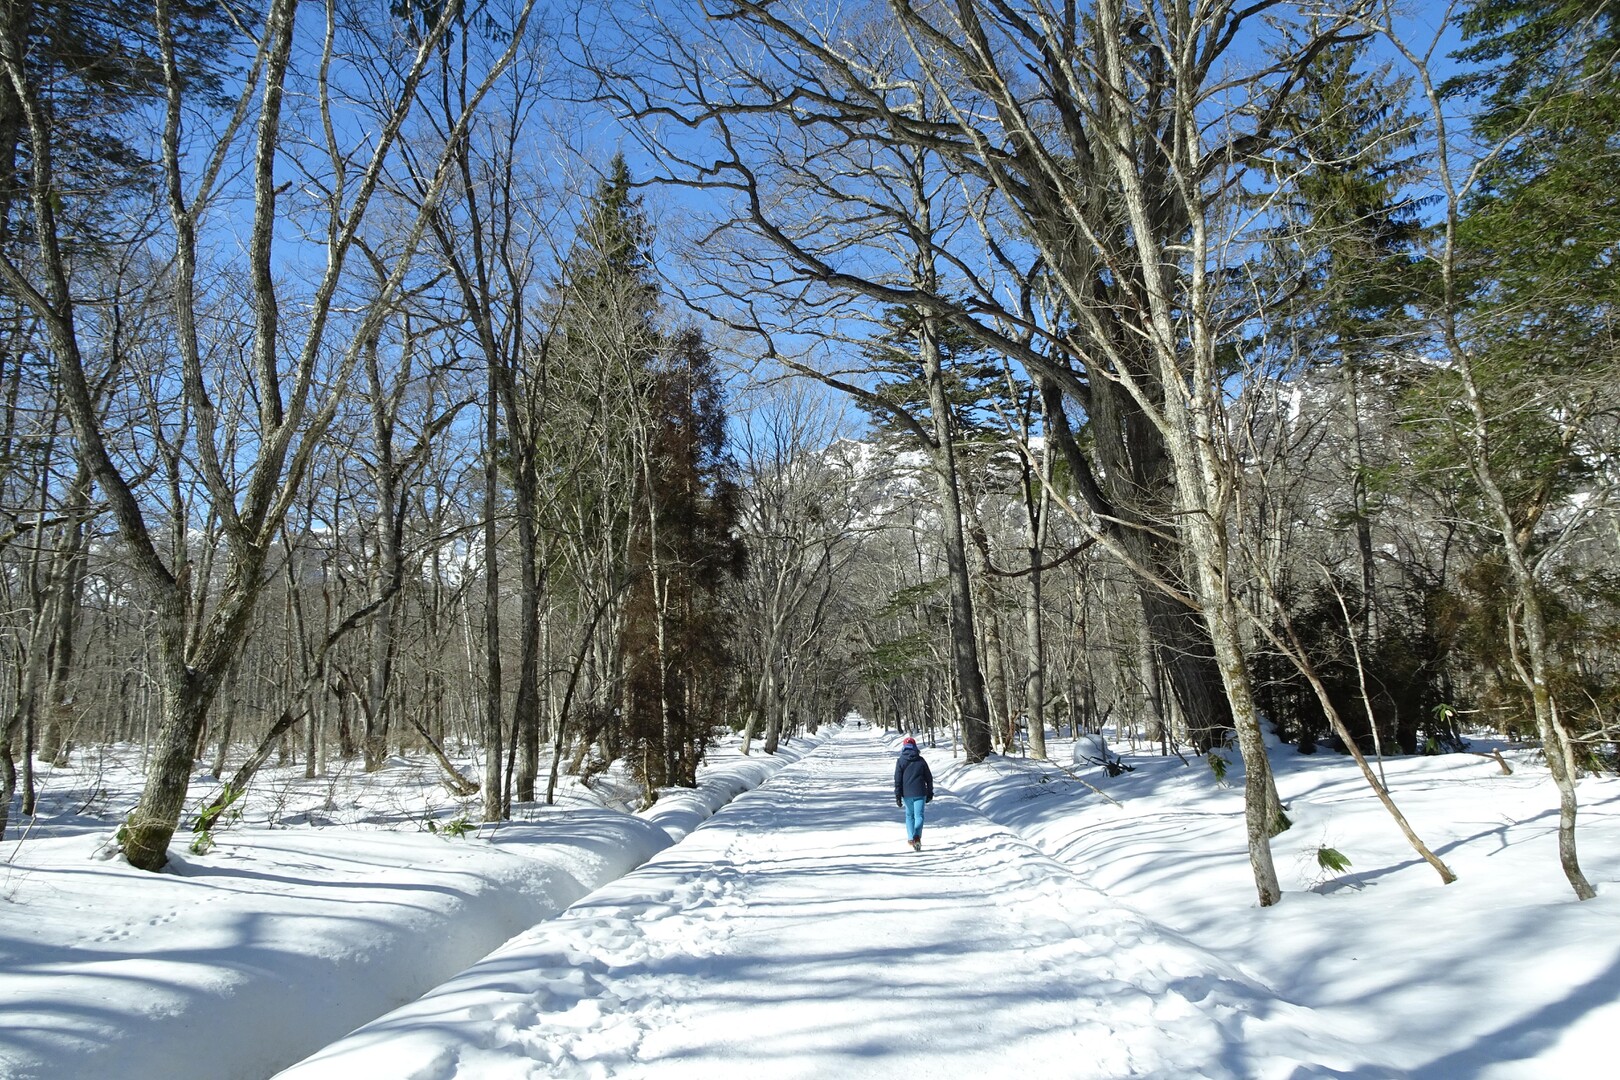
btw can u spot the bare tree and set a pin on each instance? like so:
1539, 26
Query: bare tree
801, 525
1104, 144
492, 234
296, 371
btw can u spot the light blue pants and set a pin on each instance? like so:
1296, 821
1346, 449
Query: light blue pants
914, 816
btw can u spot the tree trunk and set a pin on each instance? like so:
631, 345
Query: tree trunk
56, 743
1037, 490
15, 736
146, 832
999, 718
970, 694
764, 695
1364, 622
1262, 810
1530, 658
493, 808
387, 567
378, 710
1527, 635
1202, 480
1035, 677
773, 726
1179, 642
227, 722
313, 730
526, 706
1136, 479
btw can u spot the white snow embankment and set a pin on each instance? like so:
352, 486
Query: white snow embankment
1501, 975
680, 810
236, 963
226, 965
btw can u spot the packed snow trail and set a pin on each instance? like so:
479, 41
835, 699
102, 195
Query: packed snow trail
796, 935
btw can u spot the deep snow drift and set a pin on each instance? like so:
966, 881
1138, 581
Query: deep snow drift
1044, 929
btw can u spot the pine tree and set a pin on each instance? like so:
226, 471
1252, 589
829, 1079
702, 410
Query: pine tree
1543, 231
971, 378
1349, 257
658, 406
677, 652
95, 67
1538, 248
1528, 327
1358, 227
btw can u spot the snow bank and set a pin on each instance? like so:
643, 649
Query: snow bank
235, 963
730, 772
273, 941
1501, 975
1132, 944
1089, 750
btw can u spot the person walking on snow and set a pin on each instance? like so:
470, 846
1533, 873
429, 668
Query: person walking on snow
913, 788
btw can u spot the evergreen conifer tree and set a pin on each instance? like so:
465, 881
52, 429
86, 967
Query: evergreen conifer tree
659, 403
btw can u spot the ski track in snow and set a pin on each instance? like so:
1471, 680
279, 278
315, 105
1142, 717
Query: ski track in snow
795, 935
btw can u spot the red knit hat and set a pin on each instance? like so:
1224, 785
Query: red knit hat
908, 741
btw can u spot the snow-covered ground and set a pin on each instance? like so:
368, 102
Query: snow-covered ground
1501, 974
330, 903
1043, 930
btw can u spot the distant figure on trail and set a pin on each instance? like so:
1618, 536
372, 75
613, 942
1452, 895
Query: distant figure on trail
913, 788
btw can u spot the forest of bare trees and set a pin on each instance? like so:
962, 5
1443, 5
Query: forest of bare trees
535, 388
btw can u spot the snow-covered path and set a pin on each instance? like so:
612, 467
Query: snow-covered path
794, 934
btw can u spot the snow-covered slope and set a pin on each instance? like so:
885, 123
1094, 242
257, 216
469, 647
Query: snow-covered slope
237, 962
1502, 974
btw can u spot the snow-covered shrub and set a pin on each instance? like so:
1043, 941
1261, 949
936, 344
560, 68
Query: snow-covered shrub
1090, 750
1093, 750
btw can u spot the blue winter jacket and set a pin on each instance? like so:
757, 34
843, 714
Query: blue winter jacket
912, 778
